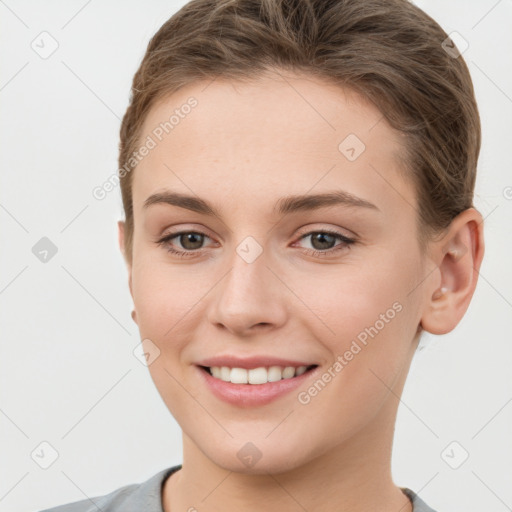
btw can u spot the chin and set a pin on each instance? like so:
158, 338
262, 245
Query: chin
260, 457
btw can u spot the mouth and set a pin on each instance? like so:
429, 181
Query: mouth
256, 376
243, 387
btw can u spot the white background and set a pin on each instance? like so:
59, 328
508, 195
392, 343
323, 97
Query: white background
68, 374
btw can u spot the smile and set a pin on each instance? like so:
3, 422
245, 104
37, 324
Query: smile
261, 375
253, 387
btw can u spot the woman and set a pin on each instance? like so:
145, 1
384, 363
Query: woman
297, 180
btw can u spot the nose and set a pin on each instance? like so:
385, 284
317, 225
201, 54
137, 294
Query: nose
248, 298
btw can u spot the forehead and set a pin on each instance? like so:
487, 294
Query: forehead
273, 136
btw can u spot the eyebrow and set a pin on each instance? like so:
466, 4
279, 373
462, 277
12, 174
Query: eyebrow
285, 205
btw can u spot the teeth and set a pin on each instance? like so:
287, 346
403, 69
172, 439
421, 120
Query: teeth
300, 370
238, 376
260, 375
255, 376
224, 373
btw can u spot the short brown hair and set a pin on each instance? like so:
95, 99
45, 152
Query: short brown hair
390, 51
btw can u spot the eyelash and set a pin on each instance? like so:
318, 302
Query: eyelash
191, 253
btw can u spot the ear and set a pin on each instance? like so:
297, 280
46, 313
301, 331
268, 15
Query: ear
121, 228
458, 256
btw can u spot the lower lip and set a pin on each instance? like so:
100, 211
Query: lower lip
250, 395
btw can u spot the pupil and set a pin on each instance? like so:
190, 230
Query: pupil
189, 237
322, 236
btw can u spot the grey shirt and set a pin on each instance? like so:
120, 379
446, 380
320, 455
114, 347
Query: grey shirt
147, 497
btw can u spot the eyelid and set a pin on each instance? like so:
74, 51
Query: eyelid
307, 230
186, 228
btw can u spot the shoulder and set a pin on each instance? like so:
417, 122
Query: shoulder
418, 504
129, 498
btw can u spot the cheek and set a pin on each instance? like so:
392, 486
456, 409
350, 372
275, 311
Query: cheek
370, 351
370, 319
343, 300
158, 300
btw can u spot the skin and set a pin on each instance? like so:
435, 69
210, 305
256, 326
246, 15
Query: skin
242, 148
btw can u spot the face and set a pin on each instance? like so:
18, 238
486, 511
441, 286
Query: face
325, 283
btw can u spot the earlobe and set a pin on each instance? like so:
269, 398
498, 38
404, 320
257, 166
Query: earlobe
459, 255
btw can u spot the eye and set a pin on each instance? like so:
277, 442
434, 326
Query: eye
192, 241
323, 240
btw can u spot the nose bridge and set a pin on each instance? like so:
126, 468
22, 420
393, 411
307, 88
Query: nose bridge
248, 271
249, 293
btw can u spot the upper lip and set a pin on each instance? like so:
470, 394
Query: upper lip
250, 362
